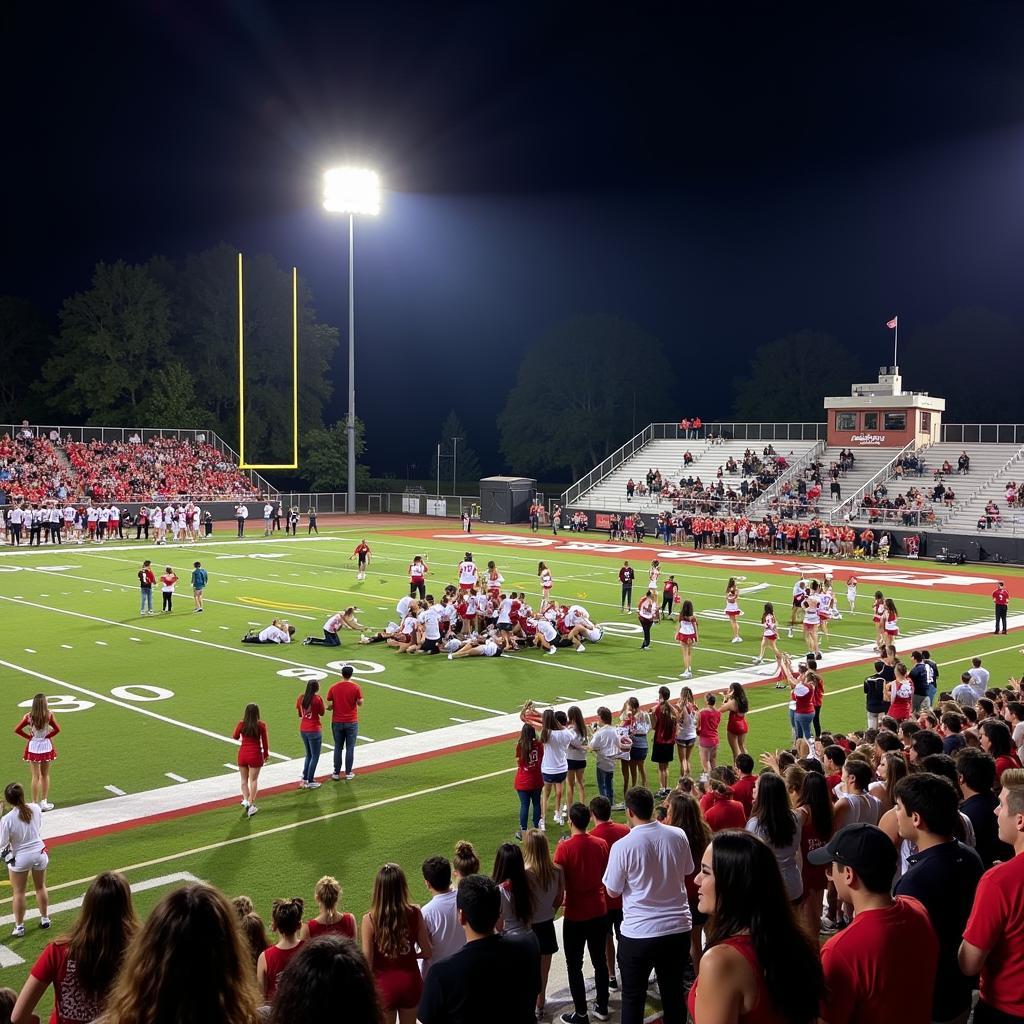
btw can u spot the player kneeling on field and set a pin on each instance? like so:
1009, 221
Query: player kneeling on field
278, 632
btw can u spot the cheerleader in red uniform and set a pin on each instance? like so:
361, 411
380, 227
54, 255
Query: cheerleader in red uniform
287, 920
38, 728
687, 636
252, 755
329, 921
878, 618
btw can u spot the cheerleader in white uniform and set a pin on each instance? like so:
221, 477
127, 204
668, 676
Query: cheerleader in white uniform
812, 620
769, 633
878, 617
38, 728
851, 594
825, 607
546, 582
732, 609
687, 636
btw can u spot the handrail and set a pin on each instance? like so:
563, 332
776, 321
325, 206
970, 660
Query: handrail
776, 485
958, 505
882, 474
956, 433
603, 468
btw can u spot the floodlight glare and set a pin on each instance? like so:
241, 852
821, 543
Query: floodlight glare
351, 190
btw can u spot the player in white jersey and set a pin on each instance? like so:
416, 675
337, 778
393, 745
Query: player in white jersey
467, 572
799, 593
156, 520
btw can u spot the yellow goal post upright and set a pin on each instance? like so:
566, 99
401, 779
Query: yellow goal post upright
294, 464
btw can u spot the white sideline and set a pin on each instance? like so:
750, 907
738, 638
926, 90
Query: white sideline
70, 821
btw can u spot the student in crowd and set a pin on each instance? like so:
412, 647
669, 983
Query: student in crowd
864, 965
186, 963
814, 815
709, 719
83, 964
611, 832
394, 936
547, 882
19, 834
743, 787
759, 966
286, 920
440, 914
775, 823
683, 811
734, 700
648, 869
583, 859
993, 945
254, 937
664, 747
329, 920
516, 895
576, 755
252, 754
608, 747
493, 977
976, 772
943, 876
723, 810
310, 708
997, 740
465, 861
325, 974
528, 782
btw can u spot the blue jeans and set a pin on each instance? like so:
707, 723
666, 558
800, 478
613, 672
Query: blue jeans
803, 725
526, 798
606, 784
147, 599
312, 741
344, 738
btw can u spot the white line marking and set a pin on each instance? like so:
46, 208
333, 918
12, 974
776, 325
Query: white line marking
102, 643
115, 790
410, 732
559, 696
592, 693
28, 650
253, 623
463, 720
621, 687
136, 639
44, 595
231, 767
671, 679
365, 739
8, 958
67, 647
195, 631
177, 778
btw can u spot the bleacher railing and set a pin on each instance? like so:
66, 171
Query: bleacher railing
617, 457
983, 433
123, 435
769, 431
790, 473
852, 503
336, 503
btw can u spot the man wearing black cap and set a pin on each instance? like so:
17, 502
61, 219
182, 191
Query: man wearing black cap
865, 964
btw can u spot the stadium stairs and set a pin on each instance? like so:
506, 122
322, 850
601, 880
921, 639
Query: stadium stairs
993, 466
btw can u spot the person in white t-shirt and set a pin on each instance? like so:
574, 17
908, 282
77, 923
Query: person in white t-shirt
429, 620
979, 677
467, 572
440, 913
647, 869
278, 632
156, 519
268, 519
330, 637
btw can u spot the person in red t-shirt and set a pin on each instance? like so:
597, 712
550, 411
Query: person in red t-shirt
310, 708
743, 788
611, 832
721, 808
583, 859
344, 699
993, 943
528, 782
865, 964
1001, 598
252, 754
82, 965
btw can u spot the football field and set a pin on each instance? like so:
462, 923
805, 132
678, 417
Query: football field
146, 782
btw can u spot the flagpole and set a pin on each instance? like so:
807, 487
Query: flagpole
896, 344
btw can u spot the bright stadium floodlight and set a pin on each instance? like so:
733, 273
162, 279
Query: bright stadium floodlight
351, 190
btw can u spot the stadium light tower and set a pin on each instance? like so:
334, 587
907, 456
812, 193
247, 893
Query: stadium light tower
351, 190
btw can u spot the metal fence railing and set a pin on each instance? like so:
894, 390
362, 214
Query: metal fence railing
983, 433
852, 504
768, 431
336, 503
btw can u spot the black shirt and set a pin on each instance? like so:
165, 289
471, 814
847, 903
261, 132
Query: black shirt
495, 979
874, 687
980, 808
944, 878
919, 677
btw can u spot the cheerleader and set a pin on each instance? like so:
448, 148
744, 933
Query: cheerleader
890, 623
734, 700
252, 755
769, 634
851, 594
812, 620
494, 580
732, 609
38, 728
546, 582
418, 577
825, 610
686, 730
653, 574
878, 618
687, 636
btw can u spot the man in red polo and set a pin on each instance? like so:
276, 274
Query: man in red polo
1001, 598
344, 699
611, 832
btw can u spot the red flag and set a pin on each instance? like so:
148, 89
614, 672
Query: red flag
892, 323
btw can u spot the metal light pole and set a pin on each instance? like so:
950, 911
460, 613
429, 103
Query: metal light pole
351, 190
455, 460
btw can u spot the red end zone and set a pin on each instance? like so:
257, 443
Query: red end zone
870, 573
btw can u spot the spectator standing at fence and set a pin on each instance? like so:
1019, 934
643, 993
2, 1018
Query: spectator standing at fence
1001, 599
268, 518
241, 514
312, 527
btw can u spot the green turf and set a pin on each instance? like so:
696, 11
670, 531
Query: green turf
79, 626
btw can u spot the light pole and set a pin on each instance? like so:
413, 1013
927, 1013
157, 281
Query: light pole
351, 190
455, 460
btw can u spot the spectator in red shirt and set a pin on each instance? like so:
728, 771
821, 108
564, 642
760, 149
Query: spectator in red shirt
528, 782
723, 810
743, 788
583, 859
344, 699
611, 832
993, 943
865, 964
997, 740
83, 964
1001, 598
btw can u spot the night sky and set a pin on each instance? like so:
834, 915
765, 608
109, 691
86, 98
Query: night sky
719, 174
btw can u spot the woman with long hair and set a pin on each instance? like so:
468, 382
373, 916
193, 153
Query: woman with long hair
683, 811
997, 740
899, 693
254, 936
576, 757
891, 622
734, 700
709, 719
769, 633
394, 934
528, 782
19, 830
814, 814
759, 965
686, 634
773, 821
286, 921
37, 728
732, 609
310, 707
329, 920
327, 974
187, 962
516, 895
686, 730
83, 964
555, 738
252, 754
663, 751
647, 613
878, 618
638, 722
546, 582
547, 883
892, 767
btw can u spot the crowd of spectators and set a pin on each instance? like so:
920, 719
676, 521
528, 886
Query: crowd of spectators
40, 469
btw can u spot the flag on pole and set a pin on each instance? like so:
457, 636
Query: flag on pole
891, 324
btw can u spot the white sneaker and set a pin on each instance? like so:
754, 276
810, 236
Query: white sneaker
552, 650
350, 776
687, 674
736, 640
543, 826
251, 811
44, 922
312, 785
45, 805
449, 657
580, 649
19, 929
245, 803
789, 633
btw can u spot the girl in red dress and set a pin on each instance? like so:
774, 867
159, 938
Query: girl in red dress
734, 700
38, 728
287, 921
252, 755
394, 934
329, 921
